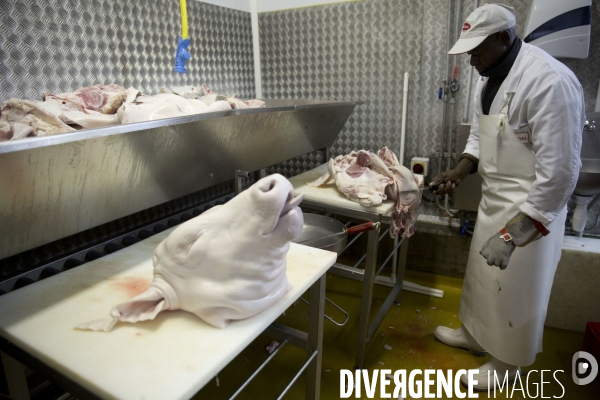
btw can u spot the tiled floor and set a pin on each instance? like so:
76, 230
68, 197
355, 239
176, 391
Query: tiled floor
404, 341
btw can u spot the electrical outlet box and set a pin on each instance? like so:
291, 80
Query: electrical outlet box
420, 165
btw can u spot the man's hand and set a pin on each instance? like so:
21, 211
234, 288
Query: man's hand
497, 251
518, 232
447, 180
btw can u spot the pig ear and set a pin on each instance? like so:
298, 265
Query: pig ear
141, 308
105, 324
331, 167
326, 177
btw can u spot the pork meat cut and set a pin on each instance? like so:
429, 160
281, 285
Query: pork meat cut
370, 178
165, 105
23, 118
105, 99
106, 105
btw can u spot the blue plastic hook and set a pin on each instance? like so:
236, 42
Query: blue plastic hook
182, 55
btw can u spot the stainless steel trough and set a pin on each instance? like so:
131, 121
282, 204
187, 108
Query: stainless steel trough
52, 187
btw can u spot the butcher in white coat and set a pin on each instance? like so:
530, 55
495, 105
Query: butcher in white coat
525, 142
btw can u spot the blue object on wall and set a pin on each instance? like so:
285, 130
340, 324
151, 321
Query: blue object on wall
182, 55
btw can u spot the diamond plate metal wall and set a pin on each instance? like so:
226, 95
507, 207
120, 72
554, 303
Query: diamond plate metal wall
60, 46
360, 51
349, 51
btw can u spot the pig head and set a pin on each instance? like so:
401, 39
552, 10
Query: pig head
228, 263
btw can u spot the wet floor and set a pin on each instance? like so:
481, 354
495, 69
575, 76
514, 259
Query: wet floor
403, 341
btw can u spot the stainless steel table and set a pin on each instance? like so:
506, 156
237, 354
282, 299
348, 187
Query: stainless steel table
328, 199
171, 357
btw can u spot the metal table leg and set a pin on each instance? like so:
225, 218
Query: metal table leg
367, 297
395, 261
369, 275
401, 266
315, 338
15, 378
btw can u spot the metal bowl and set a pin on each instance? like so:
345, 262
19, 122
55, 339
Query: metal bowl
317, 231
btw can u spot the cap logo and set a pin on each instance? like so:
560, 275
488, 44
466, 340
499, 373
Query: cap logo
466, 26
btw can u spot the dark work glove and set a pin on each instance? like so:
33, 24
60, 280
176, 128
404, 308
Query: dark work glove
518, 232
497, 251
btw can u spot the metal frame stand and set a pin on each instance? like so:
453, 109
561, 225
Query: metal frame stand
369, 275
391, 280
312, 341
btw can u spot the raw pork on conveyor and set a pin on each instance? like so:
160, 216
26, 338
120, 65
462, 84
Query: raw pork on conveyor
178, 101
369, 179
228, 263
105, 99
105, 105
22, 118
165, 105
86, 108
207, 96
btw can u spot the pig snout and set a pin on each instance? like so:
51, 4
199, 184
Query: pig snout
273, 199
271, 194
291, 220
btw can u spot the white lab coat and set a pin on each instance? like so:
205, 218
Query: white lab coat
505, 310
549, 102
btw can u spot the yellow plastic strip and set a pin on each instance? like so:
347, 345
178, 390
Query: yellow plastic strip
184, 24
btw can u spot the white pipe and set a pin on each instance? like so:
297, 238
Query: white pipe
446, 81
451, 134
469, 85
404, 110
580, 214
457, 25
256, 47
450, 211
597, 108
448, 38
469, 82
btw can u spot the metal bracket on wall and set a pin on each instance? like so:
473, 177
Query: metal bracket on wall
239, 174
446, 154
325, 152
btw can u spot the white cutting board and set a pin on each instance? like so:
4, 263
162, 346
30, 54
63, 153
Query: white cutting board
171, 357
329, 193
